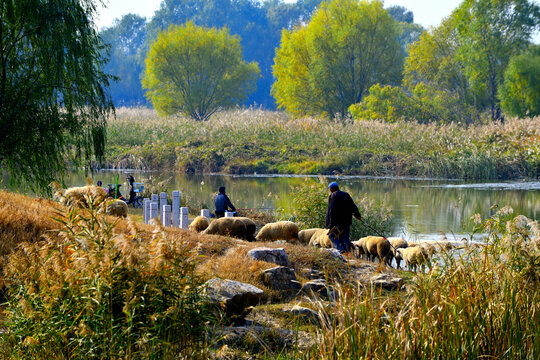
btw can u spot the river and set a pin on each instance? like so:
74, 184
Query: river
423, 209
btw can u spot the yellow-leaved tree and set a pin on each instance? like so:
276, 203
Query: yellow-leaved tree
329, 64
196, 71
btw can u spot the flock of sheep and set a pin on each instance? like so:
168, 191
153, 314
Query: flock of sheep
370, 247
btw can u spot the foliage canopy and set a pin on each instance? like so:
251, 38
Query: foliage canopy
326, 66
197, 71
53, 95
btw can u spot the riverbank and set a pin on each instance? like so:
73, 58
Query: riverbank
92, 286
265, 142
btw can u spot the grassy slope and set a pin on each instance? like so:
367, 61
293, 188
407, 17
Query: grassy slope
248, 141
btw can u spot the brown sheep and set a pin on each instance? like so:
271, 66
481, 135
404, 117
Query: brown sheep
117, 208
359, 247
281, 230
320, 239
251, 227
199, 224
378, 247
397, 243
413, 256
304, 236
230, 226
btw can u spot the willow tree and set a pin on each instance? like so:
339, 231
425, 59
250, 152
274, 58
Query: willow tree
53, 99
329, 64
197, 71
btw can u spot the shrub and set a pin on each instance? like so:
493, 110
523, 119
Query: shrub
86, 292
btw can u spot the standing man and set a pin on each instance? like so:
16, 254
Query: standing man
341, 207
222, 203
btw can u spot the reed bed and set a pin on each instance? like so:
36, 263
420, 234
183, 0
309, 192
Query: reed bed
484, 304
253, 140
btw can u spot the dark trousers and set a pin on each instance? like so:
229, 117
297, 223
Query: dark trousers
220, 214
342, 242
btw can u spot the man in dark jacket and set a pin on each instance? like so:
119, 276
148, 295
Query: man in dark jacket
222, 203
341, 207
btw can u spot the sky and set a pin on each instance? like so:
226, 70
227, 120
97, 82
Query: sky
426, 12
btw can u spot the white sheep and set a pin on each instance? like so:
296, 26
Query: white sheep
304, 236
397, 243
413, 256
199, 224
320, 239
281, 230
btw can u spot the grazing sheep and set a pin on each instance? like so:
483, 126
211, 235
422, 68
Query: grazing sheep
413, 256
304, 236
251, 227
359, 248
281, 230
76, 196
230, 226
397, 243
320, 239
117, 208
377, 247
430, 248
199, 224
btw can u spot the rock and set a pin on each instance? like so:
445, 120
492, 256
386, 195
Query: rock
303, 313
386, 281
276, 256
233, 297
319, 287
335, 253
280, 278
312, 274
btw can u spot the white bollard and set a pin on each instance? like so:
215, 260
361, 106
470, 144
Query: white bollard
166, 216
205, 213
176, 208
154, 213
146, 212
229, 214
155, 197
184, 219
162, 201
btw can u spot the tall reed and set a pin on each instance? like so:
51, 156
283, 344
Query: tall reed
483, 304
88, 292
253, 140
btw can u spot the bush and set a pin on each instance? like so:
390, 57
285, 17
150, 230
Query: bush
88, 293
310, 202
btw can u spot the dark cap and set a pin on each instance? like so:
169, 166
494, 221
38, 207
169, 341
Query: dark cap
333, 186
222, 189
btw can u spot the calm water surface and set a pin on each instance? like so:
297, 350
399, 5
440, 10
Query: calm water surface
423, 209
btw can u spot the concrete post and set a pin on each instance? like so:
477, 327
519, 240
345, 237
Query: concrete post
184, 220
166, 216
229, 214
205, 213
154, 214
176, 208
146, 211
162, 201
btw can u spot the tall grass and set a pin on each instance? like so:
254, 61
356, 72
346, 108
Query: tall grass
89, 292
248, 141
483, 304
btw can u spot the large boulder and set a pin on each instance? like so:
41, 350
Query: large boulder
280, 278
275, 256
236, 299
386, 281
319, 287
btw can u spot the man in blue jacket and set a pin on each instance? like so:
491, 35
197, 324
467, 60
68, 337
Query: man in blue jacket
341, 208
222, 203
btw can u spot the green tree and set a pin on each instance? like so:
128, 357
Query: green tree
520, 92
326, 66
53, 98
197, 71
491, 32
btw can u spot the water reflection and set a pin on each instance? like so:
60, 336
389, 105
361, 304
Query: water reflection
423, 209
